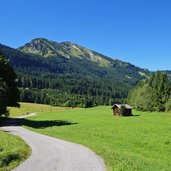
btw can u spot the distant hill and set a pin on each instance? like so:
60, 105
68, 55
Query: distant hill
70, 75
168, 73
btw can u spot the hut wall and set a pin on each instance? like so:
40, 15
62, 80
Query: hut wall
128, 112
116, 111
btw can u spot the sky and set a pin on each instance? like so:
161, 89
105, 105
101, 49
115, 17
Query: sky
135, 31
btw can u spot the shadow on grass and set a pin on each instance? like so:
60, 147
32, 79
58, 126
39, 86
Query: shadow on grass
135, 115
130, 115
44, 124
34, 123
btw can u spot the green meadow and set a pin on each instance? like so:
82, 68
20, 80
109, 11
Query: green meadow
13, 151
138, 143
27, 108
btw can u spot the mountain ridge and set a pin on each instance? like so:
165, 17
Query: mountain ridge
68, 50
47, 48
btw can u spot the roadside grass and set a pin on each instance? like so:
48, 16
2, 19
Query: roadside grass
138, 143
13, 151
27, 108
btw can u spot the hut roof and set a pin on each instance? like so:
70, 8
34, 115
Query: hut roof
120, 105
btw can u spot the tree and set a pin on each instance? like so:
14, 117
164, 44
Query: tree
168, 105
140, 96
152, 94
9, 92
160, 87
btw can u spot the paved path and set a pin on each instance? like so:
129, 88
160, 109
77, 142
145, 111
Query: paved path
51, 154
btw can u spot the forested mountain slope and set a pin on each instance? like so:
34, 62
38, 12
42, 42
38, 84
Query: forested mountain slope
69, 54
68, 74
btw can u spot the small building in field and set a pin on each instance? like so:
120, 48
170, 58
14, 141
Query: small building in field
122, 110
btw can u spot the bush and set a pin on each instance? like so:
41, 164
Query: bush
7, 157
168, 105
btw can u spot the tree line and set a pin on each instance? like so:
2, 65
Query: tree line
71, 91
152, 94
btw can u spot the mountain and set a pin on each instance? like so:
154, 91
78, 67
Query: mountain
70, 75
68, 50
76, 53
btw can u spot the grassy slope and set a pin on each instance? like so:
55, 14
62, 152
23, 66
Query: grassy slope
26, 108
126, 143
13, 151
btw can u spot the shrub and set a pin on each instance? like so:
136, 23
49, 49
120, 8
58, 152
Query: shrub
168, 105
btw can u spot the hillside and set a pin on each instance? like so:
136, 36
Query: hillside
70, 75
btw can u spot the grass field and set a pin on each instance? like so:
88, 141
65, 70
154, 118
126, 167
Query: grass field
26, 108
141, 142
13, 151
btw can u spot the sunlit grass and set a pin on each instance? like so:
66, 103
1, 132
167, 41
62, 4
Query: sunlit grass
13, 151
27, 108
141, 142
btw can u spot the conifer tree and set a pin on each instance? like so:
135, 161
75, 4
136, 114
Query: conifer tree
160, 87
9, 92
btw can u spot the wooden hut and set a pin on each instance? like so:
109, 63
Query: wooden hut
122, 110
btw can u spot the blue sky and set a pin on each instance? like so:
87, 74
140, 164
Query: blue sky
136, 31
